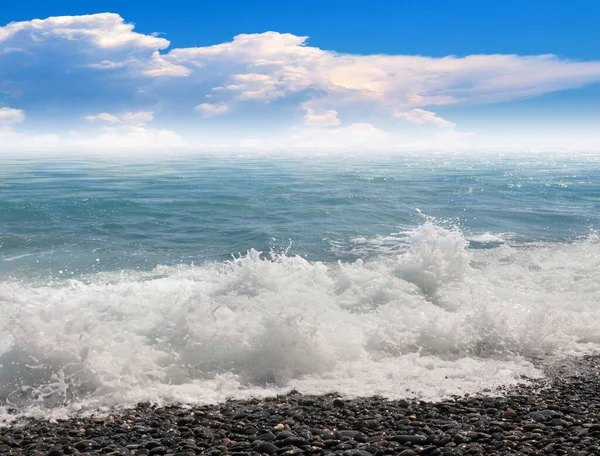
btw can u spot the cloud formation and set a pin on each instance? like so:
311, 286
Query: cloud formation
9, 116
328, 118
272, 65
104, 30
424, 117
212, 109
128, 130
103, 117
133, 118
83, 68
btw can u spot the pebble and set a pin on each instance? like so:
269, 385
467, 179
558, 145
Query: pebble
268, 448
415, 439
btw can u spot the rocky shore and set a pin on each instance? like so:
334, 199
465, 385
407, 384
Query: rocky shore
559, 415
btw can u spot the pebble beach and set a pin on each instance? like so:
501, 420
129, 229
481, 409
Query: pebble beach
559, 414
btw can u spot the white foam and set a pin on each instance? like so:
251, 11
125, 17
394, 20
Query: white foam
490, 238
435, 320
18, 257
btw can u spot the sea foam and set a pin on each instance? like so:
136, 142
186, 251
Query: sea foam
430, 319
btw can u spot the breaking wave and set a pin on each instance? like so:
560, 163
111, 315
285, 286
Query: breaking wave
429, 318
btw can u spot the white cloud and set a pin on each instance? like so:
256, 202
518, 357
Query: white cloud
98, 41
254, 86
159, 67
328, 118
103, 117
106, 65
355, 136
126, 130
104, 30
357, 132
212, 109
9, 116
67, 58
137, 118
140, 117
423, 117
271, 65
132, 138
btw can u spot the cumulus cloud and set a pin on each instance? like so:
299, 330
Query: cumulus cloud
104, 30
9, 116
69, 60
272, 65
423, 117
81, 65
212, 109
254, 86
327, 118
159, 67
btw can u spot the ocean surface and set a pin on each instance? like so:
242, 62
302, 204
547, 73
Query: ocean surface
195, 279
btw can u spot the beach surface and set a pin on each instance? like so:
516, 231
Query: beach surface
559, 414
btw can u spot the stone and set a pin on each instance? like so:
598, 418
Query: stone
86, 445
414, 439
268, 448
158, 450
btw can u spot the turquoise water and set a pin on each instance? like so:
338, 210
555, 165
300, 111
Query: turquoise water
143, 280
84, 216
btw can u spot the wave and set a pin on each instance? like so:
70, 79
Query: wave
433, 319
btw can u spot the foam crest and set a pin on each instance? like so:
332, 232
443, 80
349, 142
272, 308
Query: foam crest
435, 256
434, 320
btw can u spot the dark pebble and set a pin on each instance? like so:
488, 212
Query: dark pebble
268, 448
86, 445
159, 450
414, 439
408, 453
292, 452
268, 436
338, 403
295, 441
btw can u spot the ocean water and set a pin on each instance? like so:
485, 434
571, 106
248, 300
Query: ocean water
201, 278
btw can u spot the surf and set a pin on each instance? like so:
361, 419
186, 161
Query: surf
432, 319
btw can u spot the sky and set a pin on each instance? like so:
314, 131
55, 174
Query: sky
285, 76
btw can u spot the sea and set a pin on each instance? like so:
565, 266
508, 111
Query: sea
197, 279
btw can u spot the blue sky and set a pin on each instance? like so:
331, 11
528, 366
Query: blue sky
394, 75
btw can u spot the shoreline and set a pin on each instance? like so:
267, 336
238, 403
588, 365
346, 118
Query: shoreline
559, 414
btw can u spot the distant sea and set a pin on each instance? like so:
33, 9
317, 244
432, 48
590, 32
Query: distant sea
201, 278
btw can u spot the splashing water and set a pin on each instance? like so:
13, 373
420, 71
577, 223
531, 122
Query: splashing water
433, 319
